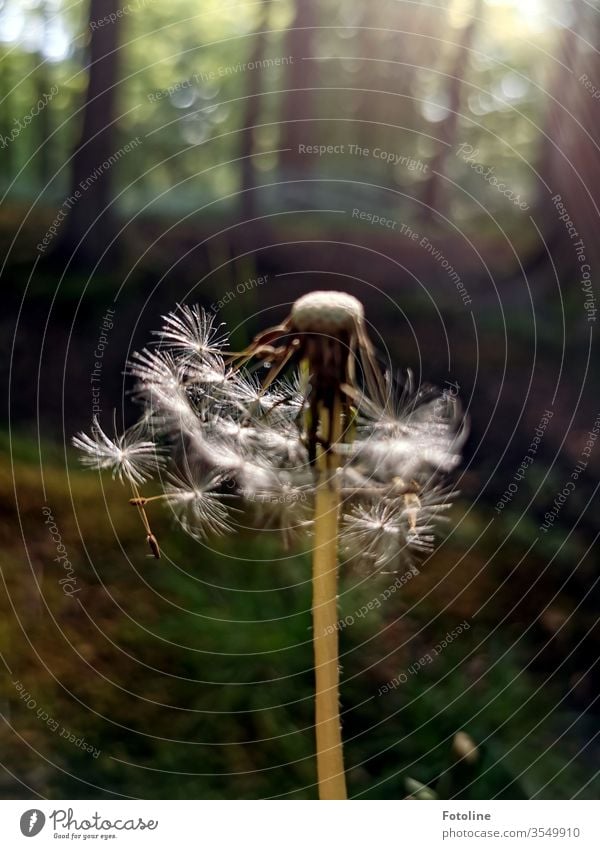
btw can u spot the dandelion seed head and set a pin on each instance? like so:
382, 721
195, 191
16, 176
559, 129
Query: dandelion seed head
228, 436
326, 312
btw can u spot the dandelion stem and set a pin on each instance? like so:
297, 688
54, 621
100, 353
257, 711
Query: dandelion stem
330, 763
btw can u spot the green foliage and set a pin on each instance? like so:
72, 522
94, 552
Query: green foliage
184, 77
193, 675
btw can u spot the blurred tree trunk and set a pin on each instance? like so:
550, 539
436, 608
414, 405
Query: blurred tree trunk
411, 47
570, 158
6, 157
433, 195
365, 102
302, 76
251, 117
96, 142
42, 90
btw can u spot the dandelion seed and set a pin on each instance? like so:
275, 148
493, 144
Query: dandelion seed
191, 334
197, 503
246, 393
417, 444
153, 544
293, 392
170, 398
157, 369
285, 507
374, 530
128, 457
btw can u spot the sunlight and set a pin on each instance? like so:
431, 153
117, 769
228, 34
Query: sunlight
531, 14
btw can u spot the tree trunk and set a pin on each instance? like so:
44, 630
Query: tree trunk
6, 152
92, 210
570, 158
432, 194
301, 77
42, 91
251, 117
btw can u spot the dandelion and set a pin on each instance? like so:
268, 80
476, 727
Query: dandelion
325, 447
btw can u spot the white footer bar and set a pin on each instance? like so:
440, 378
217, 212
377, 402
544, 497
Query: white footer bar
299, 825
